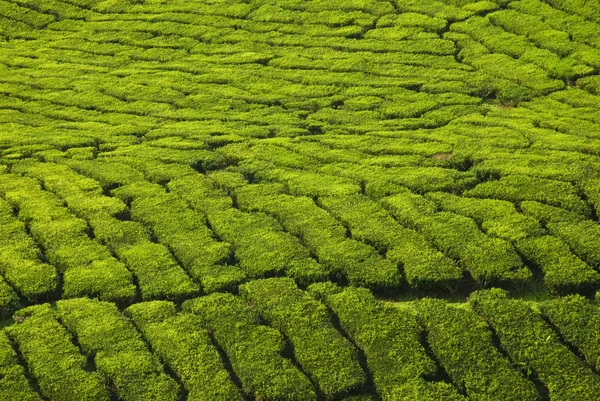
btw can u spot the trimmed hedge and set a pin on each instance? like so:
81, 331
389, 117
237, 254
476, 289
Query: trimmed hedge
88, 267
578, 320
82, 195
158, 274
186, 347
496, 217
390, 340
52, 359
108, 175
324, 354
517, 188
119, 351
261, 247
9, 300
463, 344
19, 258
424, 266
184, 232
563, 271
530, 342
487, 259
255, 351
13, 382
578, 233
323, 235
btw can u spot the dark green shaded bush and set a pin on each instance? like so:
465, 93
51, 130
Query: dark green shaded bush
463, 344
119, 351
255, 351
578, 320
390, 340
324, 354
530, 342
186, 347
53, 360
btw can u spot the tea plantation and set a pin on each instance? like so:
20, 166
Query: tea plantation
280, 200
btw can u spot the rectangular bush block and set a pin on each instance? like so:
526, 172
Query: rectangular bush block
52, 359
389, 338
530, 342
261, 246
463, 345
120, 354
487, 259
424, 266
497, 218
517, 188
20, 258
255, 351
158, 274
578, 320
13, 382
578, 233
186, 347
185, 233
88, 267
323, 235
82, 195
9, 300
325, 355
563, 271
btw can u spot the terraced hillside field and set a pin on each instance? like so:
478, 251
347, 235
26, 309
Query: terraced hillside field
280, 200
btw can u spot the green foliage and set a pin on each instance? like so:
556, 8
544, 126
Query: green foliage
497, 218
14, 382
578, 320
324, 354
184, 232
19, 258
261, 247
424, 266
167, 149
186, 347
88, 267
119, 352
323, 235
53, 360
158, 273
389, 338
563, 271
254, 350
107, 174
487, 259
531, 343
517, 188
464, 346
578, 233
9, 300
